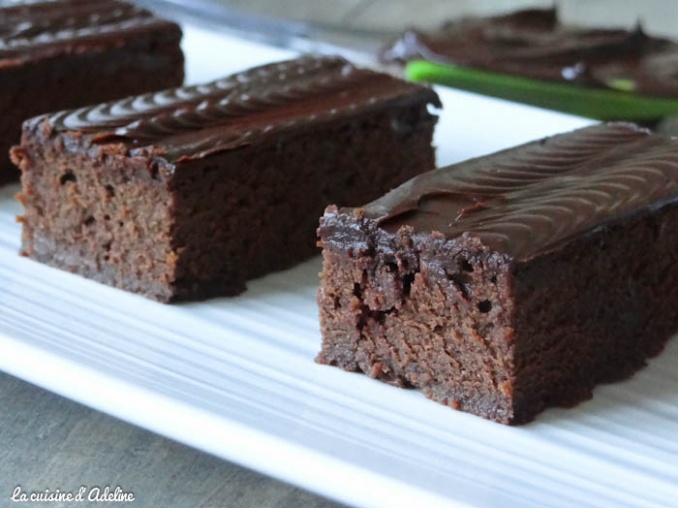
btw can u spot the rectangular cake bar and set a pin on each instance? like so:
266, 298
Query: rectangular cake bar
513, 282
189, 192
57, 54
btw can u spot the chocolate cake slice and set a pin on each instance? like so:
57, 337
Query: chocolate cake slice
534, 43
57, 54
513, 282
187, 193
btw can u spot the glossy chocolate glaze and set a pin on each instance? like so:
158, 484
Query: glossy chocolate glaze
532, 43
34, 29
193, 122
527, 200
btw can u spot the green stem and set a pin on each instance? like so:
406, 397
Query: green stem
599, 103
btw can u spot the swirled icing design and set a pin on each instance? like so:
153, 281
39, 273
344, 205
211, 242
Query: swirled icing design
528, 199
28, 29
195, 121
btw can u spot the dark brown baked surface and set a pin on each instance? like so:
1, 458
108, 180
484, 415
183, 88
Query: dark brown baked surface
189, 192
512, 282
66, 53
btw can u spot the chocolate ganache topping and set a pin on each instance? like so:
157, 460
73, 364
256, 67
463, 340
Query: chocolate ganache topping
525, 201
532, 43
196, 121
38, 28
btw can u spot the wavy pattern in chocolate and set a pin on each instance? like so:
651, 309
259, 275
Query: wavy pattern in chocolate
31, 28
526, 200
122, 113
275, 97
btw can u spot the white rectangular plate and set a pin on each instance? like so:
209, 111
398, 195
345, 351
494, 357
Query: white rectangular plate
236, 377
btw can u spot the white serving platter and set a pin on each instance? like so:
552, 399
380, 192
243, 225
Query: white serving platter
236, 377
